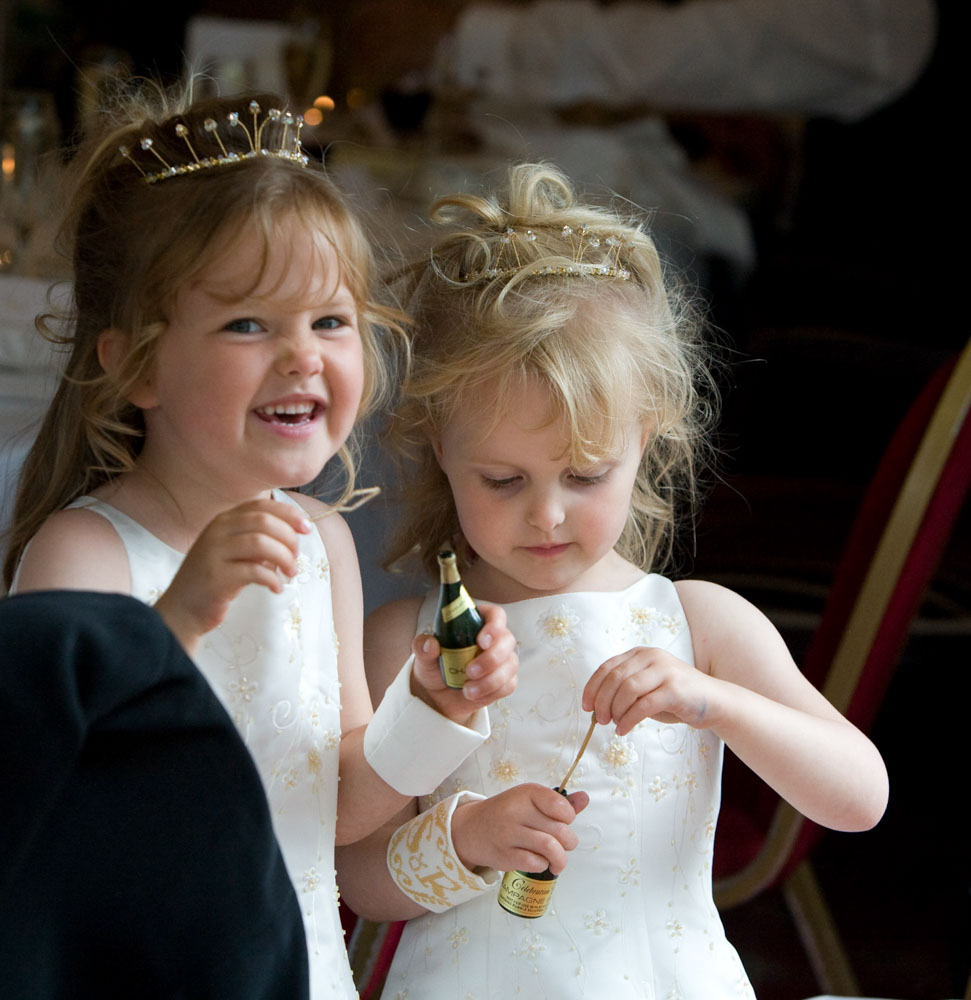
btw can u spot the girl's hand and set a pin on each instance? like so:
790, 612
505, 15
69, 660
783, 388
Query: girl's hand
525, 828
647, 683
256, 542
491, 675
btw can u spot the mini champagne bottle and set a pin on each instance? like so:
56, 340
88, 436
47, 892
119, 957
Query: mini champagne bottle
527, 894
457, 623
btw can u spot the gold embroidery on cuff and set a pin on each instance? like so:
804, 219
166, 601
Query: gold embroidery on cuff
423, 862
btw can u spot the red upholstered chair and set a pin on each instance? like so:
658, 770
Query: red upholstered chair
894, 546
371, 947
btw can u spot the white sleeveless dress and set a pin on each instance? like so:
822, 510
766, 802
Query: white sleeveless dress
632, 915
273, 664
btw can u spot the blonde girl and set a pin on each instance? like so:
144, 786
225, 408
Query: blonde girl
223, 344
551, 429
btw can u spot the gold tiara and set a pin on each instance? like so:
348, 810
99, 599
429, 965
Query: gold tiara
581, 240
288, 148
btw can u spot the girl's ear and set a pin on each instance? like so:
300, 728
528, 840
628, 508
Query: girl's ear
113, 346
436, 442
647, 433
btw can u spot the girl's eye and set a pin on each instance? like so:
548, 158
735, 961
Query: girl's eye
243, 326
329, 323
499, 484
588, 480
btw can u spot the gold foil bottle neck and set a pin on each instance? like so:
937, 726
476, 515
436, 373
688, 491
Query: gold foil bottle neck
448, 567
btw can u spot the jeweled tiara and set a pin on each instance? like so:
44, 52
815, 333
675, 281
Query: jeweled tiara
581, 240
288, 148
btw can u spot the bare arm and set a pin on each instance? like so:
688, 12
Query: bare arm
364, 801
745, 687
775, 720
75, 550
362, 871
78, 549
398, 745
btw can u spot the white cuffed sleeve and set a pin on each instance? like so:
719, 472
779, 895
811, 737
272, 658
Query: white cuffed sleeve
411, 746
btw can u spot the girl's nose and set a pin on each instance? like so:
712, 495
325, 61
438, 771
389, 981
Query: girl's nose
546, 511
300, 355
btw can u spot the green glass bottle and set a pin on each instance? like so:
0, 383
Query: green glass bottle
457, 623
527, 894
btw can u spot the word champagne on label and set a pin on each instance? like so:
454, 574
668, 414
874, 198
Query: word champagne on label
527, 894
457, 623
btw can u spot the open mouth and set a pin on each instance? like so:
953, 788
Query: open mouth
292, 414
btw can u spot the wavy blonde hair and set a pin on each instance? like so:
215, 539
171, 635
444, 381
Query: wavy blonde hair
134, 245
610, 350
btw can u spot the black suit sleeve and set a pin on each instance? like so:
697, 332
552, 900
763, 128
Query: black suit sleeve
137, 856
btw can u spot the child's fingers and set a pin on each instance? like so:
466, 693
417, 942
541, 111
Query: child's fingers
591, 689
426, 669
270, 517
636, 711
292, 514
516, 829
225, 564
601, 691
261, 551
493, 625
493, 672
502, 646
543, 820
248, 559
678, 693
550, 803
579, 801
498, 683
263, 574
260, 531
634, 693
538, 852
646, 683
426, 650
554, 844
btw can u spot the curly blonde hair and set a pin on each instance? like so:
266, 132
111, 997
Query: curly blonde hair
514, 290
133, 245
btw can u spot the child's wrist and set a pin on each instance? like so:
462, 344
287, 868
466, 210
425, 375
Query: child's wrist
463, 822
440, 699
445, 704
179, 624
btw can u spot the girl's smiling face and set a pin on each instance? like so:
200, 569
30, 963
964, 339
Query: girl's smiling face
258, 375
538, 524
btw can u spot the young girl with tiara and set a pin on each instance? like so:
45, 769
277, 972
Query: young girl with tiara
552, 427
223, 343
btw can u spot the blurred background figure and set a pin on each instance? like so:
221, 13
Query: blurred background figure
631, 95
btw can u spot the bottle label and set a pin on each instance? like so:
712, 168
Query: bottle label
454, 662
458, 607
525, 896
